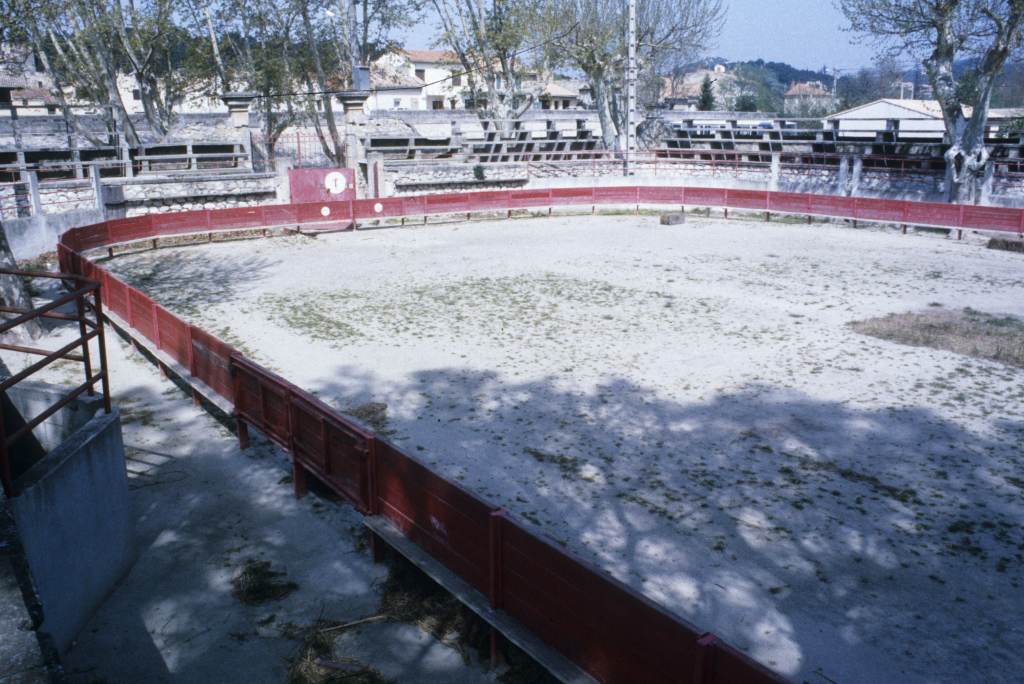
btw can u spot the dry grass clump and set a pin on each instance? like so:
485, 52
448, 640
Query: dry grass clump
315, 662
257, 583
410, 596
966, 331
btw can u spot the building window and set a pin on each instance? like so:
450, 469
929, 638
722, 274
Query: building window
437, 104
457, 79
421, 74
136, 94
397, 103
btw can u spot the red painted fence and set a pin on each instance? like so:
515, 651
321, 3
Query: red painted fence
605, 627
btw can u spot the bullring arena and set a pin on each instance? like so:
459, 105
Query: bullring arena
694, 410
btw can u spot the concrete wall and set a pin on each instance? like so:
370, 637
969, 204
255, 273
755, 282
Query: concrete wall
25, 658
34, 235
75, 523
32, 398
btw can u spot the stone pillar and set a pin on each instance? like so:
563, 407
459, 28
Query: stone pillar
33, 191
97, 187
375, 163
858, 168
844, 175
238, 105
238, 108
773, 184
352, 102
456, 139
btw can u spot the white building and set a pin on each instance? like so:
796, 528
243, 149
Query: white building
915, 119
418, 80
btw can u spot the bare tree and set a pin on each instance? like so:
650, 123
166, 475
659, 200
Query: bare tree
490, 38
596, 45
941, 33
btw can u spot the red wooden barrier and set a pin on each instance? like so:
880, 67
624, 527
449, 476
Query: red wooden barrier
174, 336
450, 523
571, 196
602, 625
747, 199
141, 314
704, 197
211, 362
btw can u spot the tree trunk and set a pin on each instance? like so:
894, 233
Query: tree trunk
602, 99
339, 150
222, 74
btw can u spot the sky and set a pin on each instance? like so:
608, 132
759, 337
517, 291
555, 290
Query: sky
804, 33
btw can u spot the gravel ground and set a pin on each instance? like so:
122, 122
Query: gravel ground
688, 407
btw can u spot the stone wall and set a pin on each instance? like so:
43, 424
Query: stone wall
405, 178
64, 196
412, 178
142, 196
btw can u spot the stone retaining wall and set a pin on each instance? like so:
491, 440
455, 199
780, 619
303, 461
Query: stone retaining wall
404, 178
138, 197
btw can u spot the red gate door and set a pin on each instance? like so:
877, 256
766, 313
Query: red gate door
322, 185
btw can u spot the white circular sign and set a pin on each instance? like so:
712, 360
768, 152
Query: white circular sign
335, 182
326, 211
378, 207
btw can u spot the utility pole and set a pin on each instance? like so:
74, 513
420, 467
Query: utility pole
631, 74
353, 43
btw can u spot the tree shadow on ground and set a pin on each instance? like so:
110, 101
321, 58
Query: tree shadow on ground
203, 511
187, 281
824, 539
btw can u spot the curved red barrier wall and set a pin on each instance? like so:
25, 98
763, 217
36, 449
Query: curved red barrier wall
608, 629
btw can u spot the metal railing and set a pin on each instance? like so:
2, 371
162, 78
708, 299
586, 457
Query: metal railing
89, 317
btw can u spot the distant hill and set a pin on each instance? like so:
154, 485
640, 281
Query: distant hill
765, 82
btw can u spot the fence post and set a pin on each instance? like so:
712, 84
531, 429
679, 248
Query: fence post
494, 537
371, 491
704, 666
97, 188
236, 389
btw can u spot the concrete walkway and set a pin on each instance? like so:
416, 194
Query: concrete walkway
204, 510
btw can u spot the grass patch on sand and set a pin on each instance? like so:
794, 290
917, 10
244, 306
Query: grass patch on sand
258, 583
965, 331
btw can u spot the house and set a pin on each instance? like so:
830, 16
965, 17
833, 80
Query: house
915, 119
23, 85
556, 95
418, 80
808, 99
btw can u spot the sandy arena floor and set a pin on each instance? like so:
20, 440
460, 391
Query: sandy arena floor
687, 407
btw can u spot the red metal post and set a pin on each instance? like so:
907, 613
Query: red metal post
495, 556
102, 341
86, 360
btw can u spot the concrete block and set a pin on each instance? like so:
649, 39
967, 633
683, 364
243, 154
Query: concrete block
32, 398
1006, 244
75, 523
673, 219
